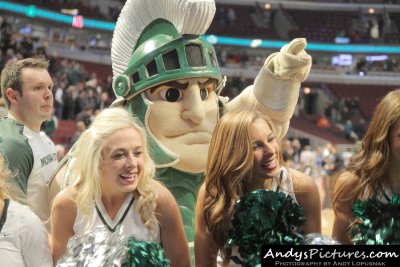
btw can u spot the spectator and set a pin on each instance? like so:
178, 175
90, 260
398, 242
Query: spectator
87, 115
69, 103
80, 128
346, 155
27, 89
360, 127
58, 97
105, 101
50, 126
332, 159
308, 160
296, 145
348, 130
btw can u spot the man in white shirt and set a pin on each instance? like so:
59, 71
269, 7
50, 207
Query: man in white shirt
27, 89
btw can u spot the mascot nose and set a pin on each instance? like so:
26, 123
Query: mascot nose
193, 105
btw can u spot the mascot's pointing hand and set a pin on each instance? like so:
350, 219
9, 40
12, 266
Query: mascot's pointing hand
292, 62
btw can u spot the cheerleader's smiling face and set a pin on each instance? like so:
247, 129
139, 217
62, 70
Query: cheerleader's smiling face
266, 150
123, 162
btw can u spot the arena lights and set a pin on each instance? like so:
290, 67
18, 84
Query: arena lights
34, 12
267, 6
72, 12
31, 11
340, 48
77, 22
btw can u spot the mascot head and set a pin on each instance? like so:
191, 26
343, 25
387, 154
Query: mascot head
169, 77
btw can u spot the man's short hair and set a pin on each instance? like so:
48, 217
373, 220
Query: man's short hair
11, 74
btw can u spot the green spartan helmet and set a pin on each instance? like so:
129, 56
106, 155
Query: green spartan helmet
161, 55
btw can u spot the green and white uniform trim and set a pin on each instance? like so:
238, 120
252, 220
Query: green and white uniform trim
32, 157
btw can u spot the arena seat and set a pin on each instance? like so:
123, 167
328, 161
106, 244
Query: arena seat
64, 132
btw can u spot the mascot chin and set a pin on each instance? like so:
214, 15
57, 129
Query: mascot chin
168, 76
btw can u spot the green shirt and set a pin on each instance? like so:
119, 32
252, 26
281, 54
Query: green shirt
15, 148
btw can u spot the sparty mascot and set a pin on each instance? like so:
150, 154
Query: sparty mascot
168, 76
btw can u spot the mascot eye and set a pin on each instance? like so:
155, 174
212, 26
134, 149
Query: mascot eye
204, 94
171, 95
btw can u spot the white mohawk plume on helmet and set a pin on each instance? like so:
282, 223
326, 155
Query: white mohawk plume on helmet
188, 17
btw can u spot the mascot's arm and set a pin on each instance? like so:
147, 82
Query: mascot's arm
276, 88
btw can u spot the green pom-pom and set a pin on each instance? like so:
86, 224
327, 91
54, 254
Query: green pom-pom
145, 254
264, 217
376, 223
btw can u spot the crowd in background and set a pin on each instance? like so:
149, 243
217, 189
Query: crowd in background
79, 96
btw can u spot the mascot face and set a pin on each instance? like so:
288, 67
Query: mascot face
182, 117
172, 83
